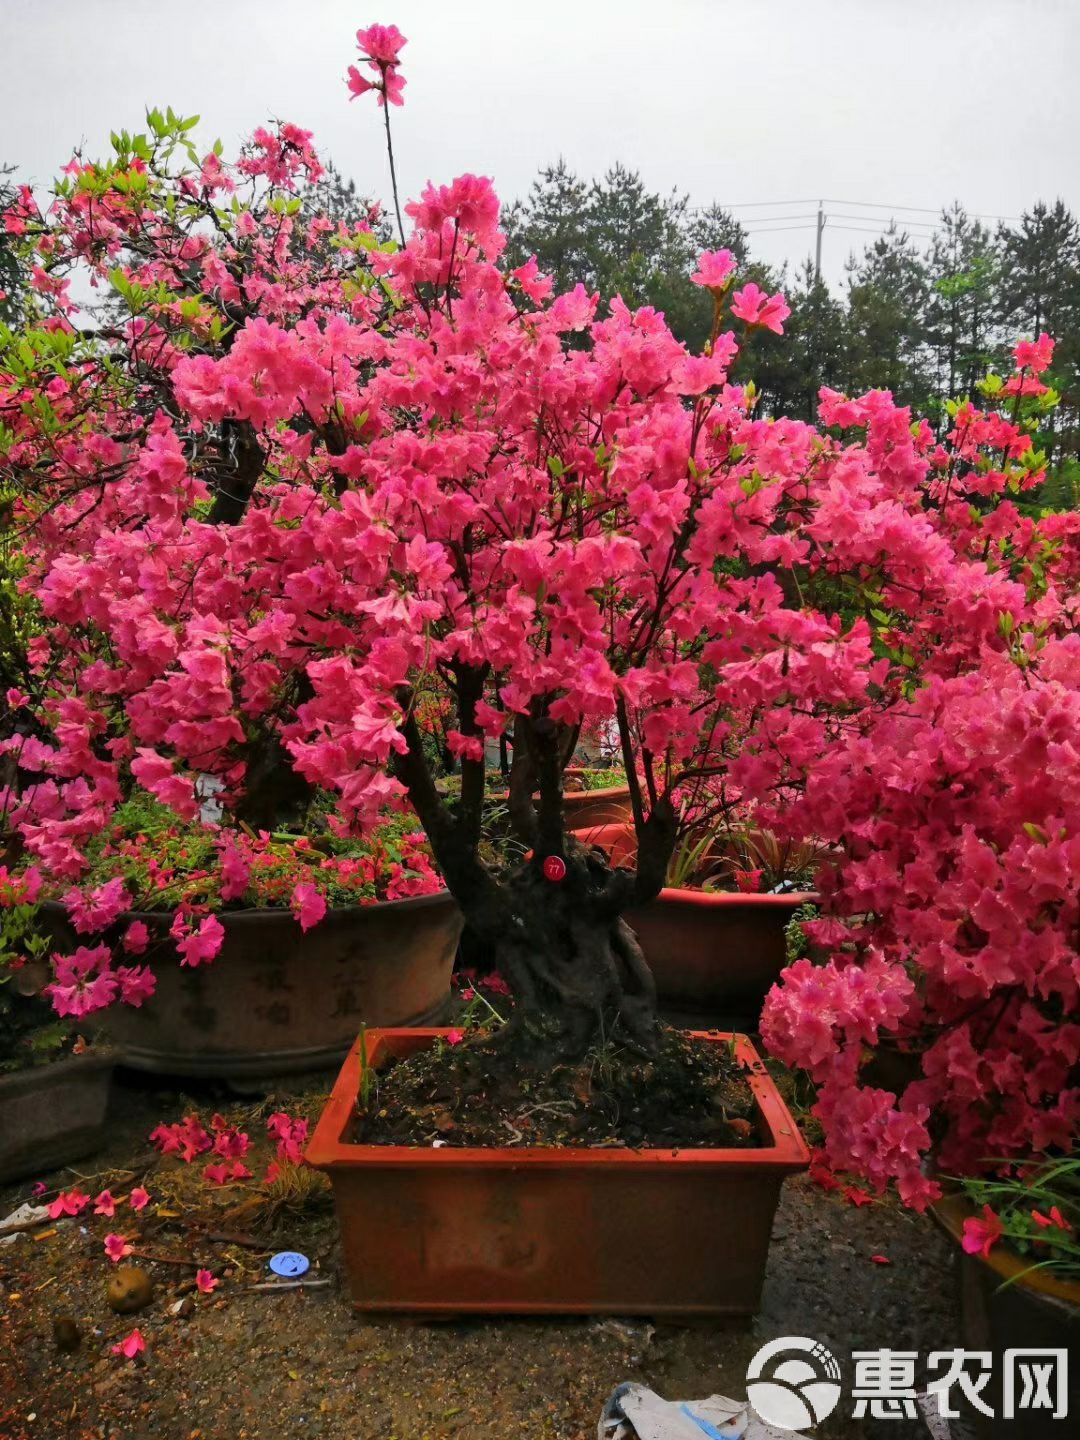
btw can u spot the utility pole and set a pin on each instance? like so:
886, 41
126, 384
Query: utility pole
817, 254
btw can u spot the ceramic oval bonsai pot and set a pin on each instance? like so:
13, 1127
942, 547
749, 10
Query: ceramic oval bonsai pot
1006, 1305
529, 1229
54, 1113
276, 1001
708, 950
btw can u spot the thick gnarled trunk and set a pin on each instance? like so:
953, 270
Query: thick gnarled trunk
573, 965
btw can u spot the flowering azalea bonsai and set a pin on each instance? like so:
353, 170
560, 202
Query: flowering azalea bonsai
304, 480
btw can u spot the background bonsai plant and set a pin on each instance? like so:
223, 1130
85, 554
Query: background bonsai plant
314, 479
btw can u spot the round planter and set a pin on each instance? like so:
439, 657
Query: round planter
1035, 1311
276, 1001
53, 1114
709, 951
581, 808
553, 1229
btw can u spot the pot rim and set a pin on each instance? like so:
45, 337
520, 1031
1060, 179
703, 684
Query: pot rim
95, 1057
951, 1211
327, 1150
248, 913
789, 899
604, 792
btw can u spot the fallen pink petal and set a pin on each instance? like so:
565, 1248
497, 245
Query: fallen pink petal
116, 1247
130, 1346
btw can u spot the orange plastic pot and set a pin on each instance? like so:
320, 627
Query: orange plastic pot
547, 1230
708, 950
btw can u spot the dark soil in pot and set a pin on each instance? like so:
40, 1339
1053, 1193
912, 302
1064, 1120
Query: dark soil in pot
692, 1095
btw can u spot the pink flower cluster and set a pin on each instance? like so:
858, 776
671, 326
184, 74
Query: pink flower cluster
380, 45
187, 1139
463, 484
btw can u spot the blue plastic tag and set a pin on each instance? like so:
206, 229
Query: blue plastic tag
289, 1263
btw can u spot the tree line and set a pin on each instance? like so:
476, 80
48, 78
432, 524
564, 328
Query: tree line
925, 321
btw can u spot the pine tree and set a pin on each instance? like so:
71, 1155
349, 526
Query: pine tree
887, 297
960, 321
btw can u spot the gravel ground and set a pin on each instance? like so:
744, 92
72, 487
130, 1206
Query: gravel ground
245, 1365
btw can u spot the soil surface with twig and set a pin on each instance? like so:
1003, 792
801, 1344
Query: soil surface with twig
247, 1364
693, 1094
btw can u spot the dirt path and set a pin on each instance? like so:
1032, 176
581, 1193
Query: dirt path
250, 1366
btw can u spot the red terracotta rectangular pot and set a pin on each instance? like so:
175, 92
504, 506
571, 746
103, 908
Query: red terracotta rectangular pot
558, 1229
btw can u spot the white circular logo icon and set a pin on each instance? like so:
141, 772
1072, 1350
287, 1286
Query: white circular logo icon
793, 1382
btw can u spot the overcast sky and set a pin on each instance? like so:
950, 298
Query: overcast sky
877, 103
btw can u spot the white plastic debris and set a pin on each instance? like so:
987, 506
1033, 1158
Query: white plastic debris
938, 1426
634, 1412
25, 1215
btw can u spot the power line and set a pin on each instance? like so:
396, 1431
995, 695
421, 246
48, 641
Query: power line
880, 220
866, 230
919, 209
762, 204
856, 204
768, 219
777, 229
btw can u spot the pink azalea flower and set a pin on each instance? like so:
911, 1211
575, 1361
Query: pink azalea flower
714, 270
455, 1037
68, 1202
105, 1204
136, 984
754, 307
1055, 1218
116, 1247
38, 1188
383, 43
1034, 355
980, 1236
186, 1138
291, 1136
222, 1174
235, 872
136, 938
357, 84
749, 881
200, 946
231, 1143
273, 1170
856, 1196
130, 1346
206, 1282
308, 905
381, 46
139, 1198
82, 981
